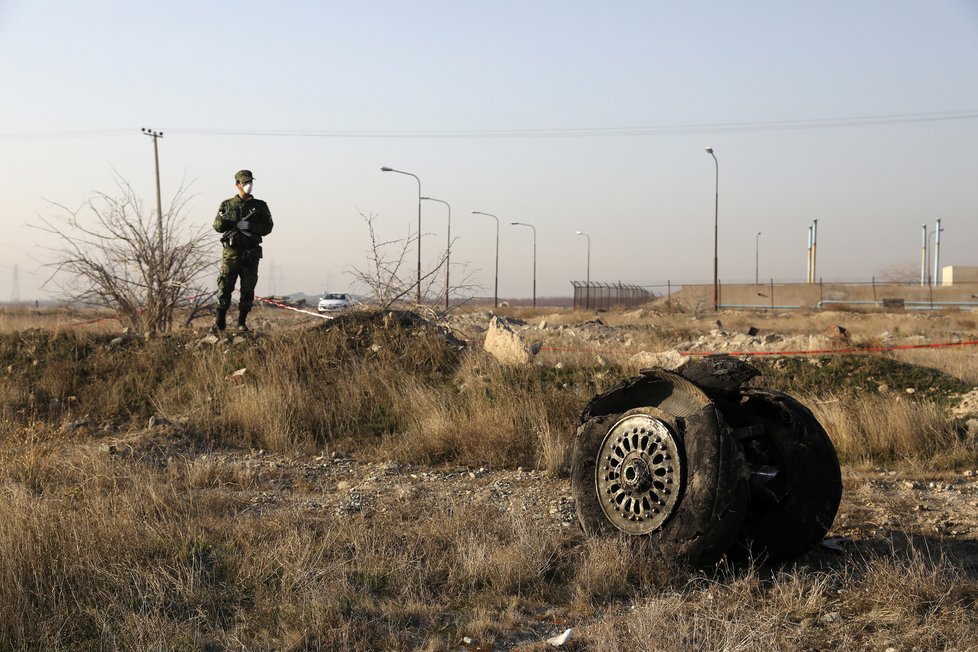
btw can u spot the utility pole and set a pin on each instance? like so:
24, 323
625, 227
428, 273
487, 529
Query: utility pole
159, 201
937, 253
15, 290
155, 293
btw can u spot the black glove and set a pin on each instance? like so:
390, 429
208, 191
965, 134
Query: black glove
243, 225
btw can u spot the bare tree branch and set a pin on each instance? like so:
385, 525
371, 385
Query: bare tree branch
108, 256
387, 281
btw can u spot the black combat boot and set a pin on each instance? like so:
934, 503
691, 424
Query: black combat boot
222, 319
242, 316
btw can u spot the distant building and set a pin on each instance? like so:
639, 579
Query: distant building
958, 275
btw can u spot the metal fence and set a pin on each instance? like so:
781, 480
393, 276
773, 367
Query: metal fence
595, 296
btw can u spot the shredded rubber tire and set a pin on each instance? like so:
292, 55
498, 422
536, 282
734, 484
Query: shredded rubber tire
713, 505
809, 486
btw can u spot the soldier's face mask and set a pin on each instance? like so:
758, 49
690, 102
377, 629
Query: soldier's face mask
247, 187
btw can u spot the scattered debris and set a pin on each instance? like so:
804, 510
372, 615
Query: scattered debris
236, 377
560, 639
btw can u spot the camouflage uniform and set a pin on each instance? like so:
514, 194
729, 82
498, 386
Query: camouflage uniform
242, 248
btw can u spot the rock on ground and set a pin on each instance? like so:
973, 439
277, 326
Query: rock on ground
505, 344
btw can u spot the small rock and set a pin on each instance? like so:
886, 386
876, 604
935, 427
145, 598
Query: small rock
343, 485
669, 360
75, 425
837, 332
505, 344
543, 325
910, 390
883, 389
832, 617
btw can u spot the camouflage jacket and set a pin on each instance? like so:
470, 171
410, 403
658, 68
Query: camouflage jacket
236, 209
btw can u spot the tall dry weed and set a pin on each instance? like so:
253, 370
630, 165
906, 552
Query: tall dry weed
887, 428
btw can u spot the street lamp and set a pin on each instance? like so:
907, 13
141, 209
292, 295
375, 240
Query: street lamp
495, 295
534, 258
757, 240
588, 294
387, 169
716, 232
448, 247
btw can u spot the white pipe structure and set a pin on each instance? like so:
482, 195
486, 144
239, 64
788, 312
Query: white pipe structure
923, 257
937, 253
814, 248
808, 261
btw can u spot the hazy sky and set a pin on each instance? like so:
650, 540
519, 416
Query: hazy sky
379, 83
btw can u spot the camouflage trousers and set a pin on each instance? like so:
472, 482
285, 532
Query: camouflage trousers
237, 263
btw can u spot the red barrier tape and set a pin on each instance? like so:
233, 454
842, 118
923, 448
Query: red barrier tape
869, 349
293, 308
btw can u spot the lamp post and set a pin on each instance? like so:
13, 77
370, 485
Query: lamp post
387, 169
716, 232
757, 241
495, 294
534, 258
587, 300
448, 246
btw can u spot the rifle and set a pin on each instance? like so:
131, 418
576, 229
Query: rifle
228, 237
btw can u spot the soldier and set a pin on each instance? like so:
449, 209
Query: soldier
242, 220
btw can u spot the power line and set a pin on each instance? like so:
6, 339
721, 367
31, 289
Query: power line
662, 130
56, 135
573, 132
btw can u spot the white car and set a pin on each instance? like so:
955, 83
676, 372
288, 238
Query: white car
334, 301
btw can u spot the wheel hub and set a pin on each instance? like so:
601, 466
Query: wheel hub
637, 477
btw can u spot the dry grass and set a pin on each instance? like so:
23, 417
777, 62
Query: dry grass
881, 429
101, 553
176, 550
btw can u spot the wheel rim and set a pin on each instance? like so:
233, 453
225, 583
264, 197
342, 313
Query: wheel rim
637, 477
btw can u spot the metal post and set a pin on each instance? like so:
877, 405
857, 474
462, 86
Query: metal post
495, 296
534, 258
937, 253
387, 169
588, 290
757, 245
716, 232
448, 246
